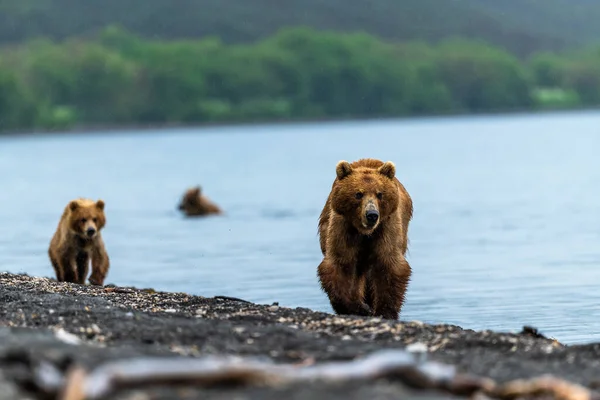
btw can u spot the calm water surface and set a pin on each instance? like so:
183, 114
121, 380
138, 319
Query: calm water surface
506, 229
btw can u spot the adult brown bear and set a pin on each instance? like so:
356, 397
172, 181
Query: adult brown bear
363, 233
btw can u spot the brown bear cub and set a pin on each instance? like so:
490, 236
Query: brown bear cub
195, 204
363, 233
77, 240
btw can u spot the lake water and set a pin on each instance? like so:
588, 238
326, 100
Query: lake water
506, 228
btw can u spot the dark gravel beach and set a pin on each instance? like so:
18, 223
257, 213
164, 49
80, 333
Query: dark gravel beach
53, 336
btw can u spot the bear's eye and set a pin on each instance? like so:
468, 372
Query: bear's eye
379, 195
358, 195
94, 219
83, 220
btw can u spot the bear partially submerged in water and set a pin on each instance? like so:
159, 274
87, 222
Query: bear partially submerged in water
195, 204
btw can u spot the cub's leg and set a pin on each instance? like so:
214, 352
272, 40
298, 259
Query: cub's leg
60, 276
83, 266
69, 268
100, 265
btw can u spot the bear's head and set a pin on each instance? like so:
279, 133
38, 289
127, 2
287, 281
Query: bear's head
365, 196
86, 217
190, 199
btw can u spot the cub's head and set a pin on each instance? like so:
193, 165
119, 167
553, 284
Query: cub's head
365, 196
86, 217
191, 199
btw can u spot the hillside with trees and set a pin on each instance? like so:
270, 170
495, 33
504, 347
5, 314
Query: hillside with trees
520, 26
69, 63
299, 73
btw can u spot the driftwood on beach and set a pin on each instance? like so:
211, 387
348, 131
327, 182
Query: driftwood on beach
66, 341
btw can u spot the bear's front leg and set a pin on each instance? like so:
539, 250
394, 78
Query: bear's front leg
100, 266
60, 275
344, 289
389, 282
82, 261
69, 268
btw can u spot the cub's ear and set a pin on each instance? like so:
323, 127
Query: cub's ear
343, 169
100, 204
193, 192
388, 169
73, 205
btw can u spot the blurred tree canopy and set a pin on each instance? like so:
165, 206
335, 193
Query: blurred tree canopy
120, 78
559, 24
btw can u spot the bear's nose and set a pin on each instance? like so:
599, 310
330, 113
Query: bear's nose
91, 232
372, 216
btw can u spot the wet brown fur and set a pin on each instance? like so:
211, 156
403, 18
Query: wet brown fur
195, 204
71, 249
364, 270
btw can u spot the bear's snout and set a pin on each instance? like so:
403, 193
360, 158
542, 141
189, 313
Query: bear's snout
90, 231
372, 216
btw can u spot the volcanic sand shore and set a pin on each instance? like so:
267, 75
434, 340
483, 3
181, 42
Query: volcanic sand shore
62, 325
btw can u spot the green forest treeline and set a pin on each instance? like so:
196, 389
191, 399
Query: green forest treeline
118, 78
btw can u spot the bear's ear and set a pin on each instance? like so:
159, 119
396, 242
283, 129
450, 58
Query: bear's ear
73, 205
196, 190
388, 169
343, 169
100, 204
